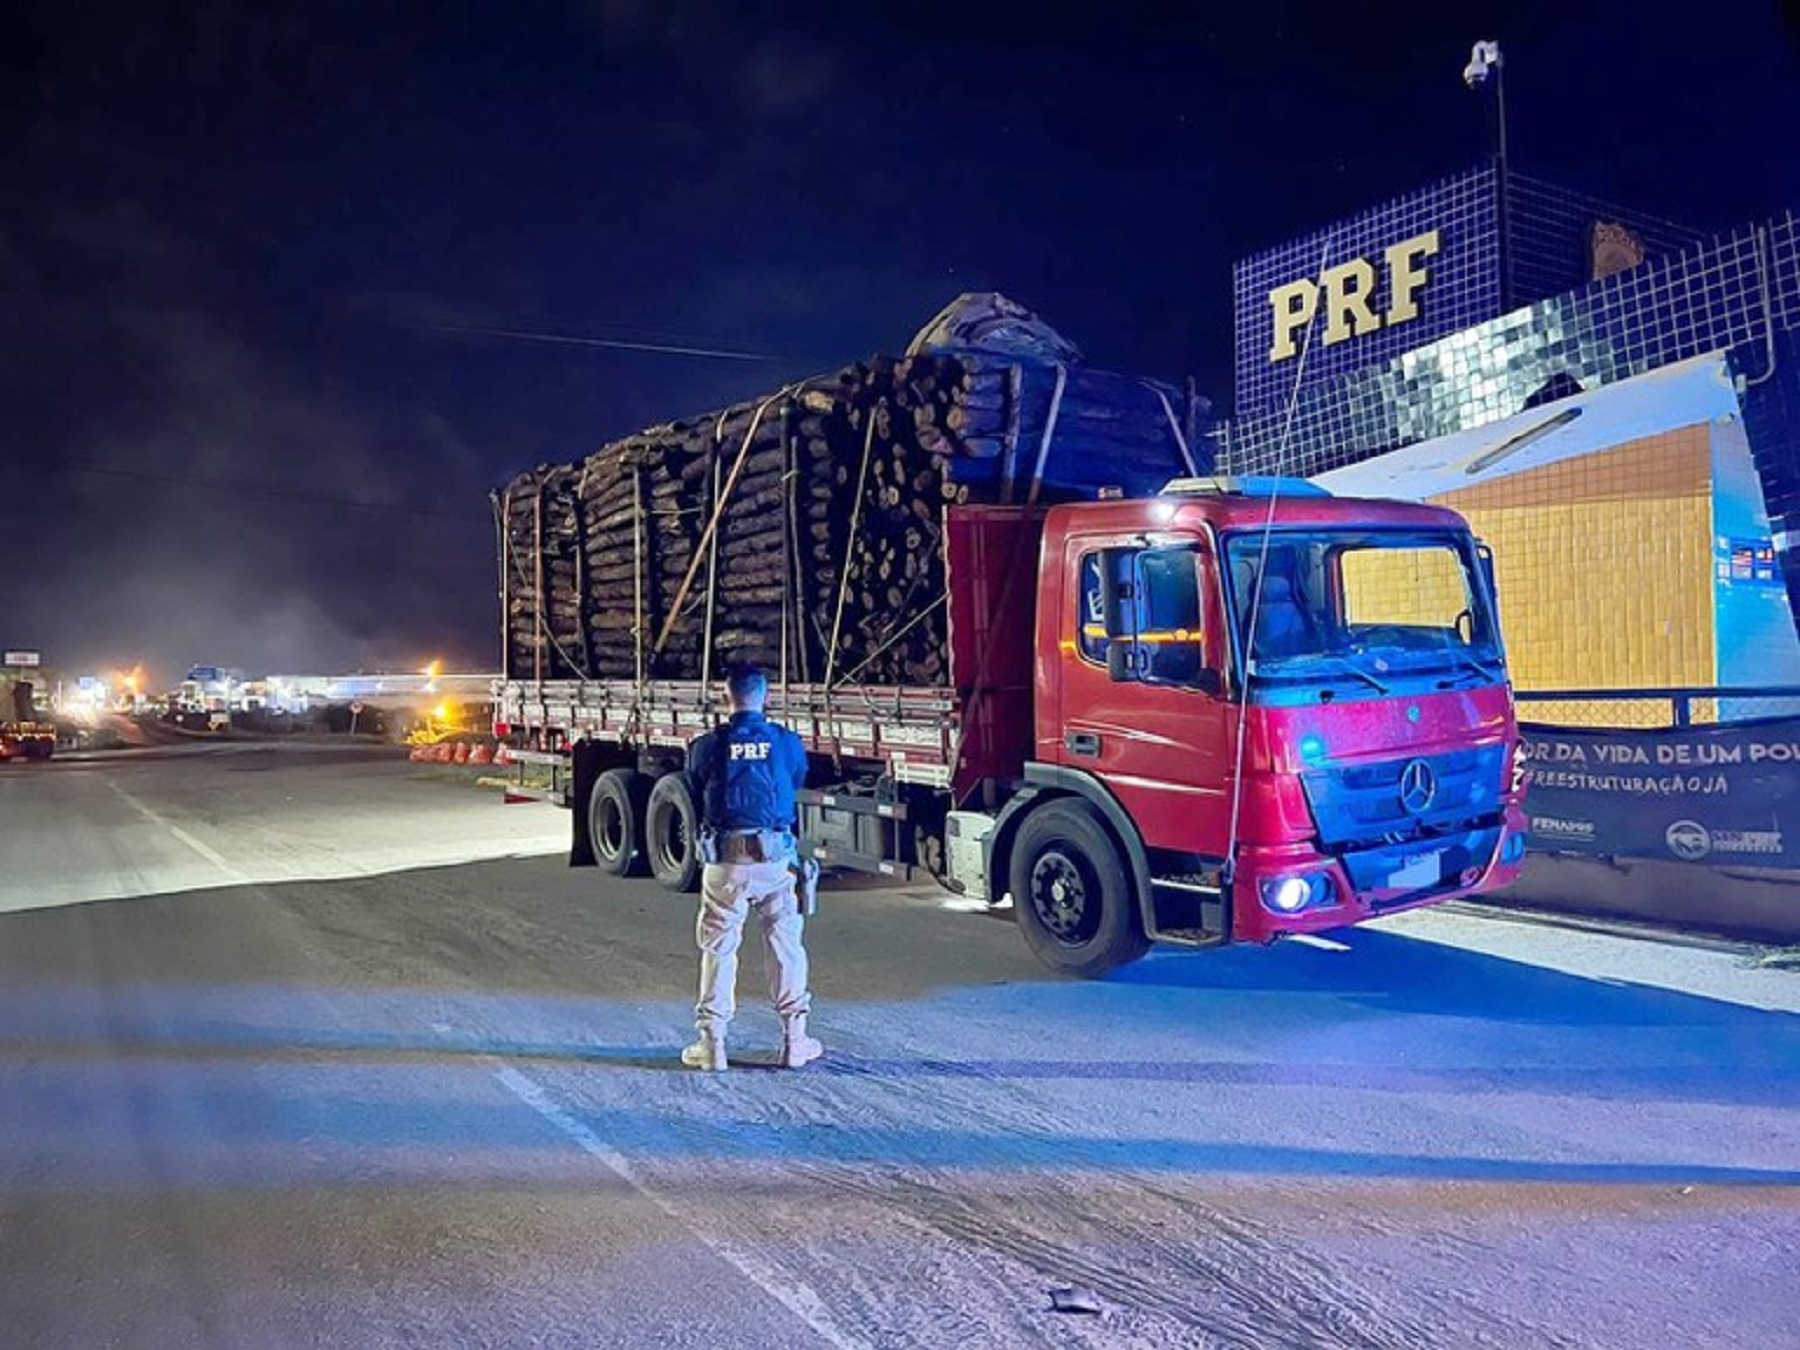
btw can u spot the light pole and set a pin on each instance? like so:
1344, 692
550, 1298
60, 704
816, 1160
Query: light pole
1486, 61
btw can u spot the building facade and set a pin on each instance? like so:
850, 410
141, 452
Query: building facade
1613, 401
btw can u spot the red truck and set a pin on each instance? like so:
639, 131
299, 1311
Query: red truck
1228, 711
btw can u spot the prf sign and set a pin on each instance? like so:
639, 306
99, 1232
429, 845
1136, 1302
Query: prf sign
1349, 291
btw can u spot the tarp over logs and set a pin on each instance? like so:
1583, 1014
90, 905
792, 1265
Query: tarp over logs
804, 530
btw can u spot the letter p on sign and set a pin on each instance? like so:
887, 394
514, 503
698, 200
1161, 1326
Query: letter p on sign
1350, 291
1294, 305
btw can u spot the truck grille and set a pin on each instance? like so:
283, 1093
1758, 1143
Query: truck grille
1405, 797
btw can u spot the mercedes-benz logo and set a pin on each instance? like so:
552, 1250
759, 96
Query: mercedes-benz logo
1418, 786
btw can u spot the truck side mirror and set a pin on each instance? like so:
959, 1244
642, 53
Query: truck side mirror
1124, 660
1118, 594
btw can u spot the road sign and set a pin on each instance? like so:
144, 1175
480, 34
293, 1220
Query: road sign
20, 658
356, 706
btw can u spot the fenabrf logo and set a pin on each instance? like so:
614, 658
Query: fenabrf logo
1556, 827
1688, 840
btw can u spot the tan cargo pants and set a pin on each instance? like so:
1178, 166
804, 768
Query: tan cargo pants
728, 892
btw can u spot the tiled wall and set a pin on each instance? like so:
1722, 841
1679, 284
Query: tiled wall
1604, 566
1464, 286
1497, 251
1413, 586
1663, 311
1738, 293
1547, 237
1770, 372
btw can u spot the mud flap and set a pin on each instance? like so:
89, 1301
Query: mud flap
587, 761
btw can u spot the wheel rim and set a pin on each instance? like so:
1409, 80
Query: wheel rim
674, 843
1064, 899
612, 829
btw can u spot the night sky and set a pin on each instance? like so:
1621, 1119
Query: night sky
237, 429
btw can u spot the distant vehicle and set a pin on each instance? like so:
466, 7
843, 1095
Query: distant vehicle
212, 687
22, 736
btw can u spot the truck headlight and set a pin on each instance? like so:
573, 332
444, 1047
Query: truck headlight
1290, 895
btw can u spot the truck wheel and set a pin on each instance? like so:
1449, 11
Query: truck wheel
672, 834
1071, 893
616, 811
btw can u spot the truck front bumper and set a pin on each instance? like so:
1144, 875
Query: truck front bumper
1296, 889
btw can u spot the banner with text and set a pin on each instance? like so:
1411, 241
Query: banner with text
1714, 794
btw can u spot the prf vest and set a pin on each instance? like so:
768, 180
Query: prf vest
749, 787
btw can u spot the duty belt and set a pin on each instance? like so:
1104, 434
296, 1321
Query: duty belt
747, 846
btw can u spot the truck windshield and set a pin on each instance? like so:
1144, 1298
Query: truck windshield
1364, 610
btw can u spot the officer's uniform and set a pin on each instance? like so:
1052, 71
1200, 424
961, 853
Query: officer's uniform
744, 776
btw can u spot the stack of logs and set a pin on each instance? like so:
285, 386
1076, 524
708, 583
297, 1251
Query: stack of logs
805, 531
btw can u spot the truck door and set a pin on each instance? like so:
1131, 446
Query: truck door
1142, 706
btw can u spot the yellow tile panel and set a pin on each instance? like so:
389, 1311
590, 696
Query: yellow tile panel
1604, 566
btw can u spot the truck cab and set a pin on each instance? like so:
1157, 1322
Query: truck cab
1284, 711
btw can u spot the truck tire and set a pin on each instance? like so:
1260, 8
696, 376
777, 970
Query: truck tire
672, 834
1072, 894
616, 824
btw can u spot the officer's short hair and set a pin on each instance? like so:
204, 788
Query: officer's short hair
746, 681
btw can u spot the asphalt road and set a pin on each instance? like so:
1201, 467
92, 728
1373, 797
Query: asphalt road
307, 1045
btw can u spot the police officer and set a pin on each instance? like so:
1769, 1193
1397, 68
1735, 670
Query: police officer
744, 776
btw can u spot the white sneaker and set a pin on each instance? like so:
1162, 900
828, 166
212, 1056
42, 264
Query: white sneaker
797, 1047
707, 1053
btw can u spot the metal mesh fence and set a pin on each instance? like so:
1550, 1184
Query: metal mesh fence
1644, 709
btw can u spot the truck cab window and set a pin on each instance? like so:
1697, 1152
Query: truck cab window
1091, 621
1288, 621
1163, 618
1169, 613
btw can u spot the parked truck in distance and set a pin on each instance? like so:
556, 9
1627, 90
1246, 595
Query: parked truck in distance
22, 736
1197, 710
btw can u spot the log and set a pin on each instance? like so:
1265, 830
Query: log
941, 428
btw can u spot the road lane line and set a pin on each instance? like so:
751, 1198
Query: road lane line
180, 835
200, 848
796, 1298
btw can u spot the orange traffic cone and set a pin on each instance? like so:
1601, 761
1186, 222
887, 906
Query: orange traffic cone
481, 754
418, 753
461, 753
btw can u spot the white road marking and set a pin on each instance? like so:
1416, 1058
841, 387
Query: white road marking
796, 1298
180, 835
209, 854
